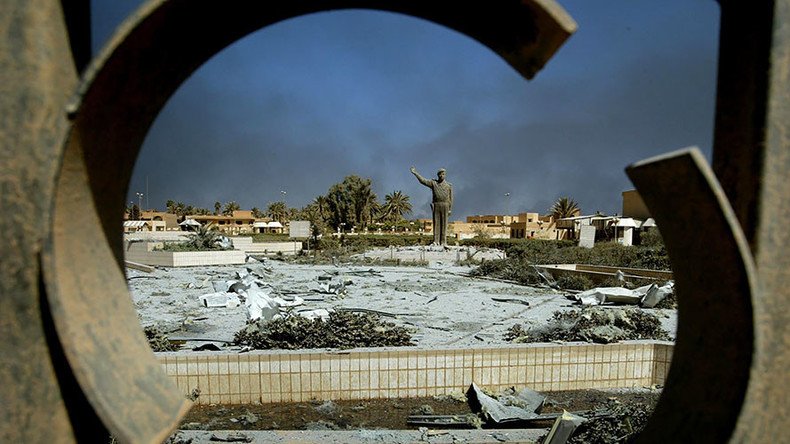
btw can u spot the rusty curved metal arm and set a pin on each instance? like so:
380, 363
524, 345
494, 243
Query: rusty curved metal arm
121, 93
714, 282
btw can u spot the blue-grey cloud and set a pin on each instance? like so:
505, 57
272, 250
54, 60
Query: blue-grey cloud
299, 105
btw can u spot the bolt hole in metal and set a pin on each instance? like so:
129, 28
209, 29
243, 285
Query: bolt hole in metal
181, 45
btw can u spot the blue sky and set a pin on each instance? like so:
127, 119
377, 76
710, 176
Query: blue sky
299, 105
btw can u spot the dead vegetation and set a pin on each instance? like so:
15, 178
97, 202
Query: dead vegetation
157, 340
340, 330
623, 424
592, 324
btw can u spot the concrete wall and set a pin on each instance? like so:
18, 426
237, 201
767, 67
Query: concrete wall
247, 245
142, 252
283, 376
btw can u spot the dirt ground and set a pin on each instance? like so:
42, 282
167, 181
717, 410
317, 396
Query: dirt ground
438, 302
380, 413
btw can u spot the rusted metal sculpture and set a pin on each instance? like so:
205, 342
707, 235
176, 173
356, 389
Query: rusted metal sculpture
75, 363
75, 351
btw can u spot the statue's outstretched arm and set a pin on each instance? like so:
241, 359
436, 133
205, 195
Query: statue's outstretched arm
422, 180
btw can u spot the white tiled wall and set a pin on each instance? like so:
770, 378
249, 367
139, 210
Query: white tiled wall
389, 373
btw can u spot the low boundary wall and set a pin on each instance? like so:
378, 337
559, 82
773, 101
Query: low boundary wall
284, 376
143, 253
600, 273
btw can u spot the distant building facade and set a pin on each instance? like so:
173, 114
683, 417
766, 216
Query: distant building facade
241, 222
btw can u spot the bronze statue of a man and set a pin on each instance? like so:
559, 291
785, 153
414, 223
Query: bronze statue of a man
442, 203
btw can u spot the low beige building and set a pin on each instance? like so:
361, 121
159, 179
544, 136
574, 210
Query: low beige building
170, 219
136, 226
240, 222
534, 226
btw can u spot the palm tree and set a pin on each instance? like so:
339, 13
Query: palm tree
321, 204
365, 202
171, 206
256, 213
217, 207
277, 211
180, 210
396, 205
564, 207
203, 238
230, 207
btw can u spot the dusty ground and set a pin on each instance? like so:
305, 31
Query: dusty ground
438, 302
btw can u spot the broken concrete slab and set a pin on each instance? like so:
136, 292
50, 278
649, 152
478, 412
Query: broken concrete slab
220, 299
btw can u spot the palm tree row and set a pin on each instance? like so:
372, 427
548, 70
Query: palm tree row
350, 203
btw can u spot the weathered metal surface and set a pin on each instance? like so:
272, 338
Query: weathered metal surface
714, 277
165, 41
98, 364
36, 78
766, 411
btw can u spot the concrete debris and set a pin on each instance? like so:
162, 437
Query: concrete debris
563, 428
225, 243
248, 287
318, 313
139, 267
262, 306
220, 299
327, 285
647, 296
231, 437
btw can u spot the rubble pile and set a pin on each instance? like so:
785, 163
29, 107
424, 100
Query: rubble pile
623, 424
592, 324
340, 329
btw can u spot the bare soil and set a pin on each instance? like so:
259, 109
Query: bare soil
373, 414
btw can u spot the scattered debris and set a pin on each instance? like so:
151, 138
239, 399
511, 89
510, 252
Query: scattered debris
524, 405
209, 346
512, 300
225, 300
231, 437
139, 267
340, 330
623, 423
326, 408
563, 428
647, 296
593, 324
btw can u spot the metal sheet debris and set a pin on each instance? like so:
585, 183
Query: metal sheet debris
508, 409
563, 428
647, 296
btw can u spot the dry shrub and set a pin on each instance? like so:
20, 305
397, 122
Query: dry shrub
593, 324
341, 330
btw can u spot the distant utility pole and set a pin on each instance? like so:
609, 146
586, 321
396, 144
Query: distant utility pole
147, 203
